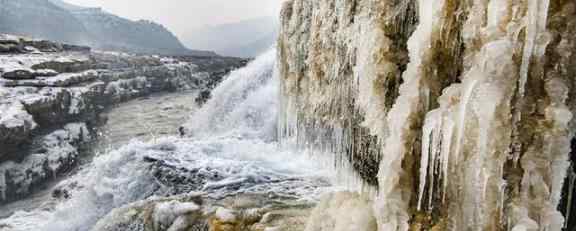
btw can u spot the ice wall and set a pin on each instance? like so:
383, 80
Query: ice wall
459, 113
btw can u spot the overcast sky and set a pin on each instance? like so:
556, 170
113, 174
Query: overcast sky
184, 15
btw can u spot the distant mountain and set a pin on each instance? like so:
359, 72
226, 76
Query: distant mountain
246, 38
67, 6
115, 33
41, 18
61, 21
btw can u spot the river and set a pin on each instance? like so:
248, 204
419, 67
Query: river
144, 119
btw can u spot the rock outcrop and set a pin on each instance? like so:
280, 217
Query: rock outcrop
44, 92
55, 153
459, 113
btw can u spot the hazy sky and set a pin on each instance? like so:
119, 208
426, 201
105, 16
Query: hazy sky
184, 15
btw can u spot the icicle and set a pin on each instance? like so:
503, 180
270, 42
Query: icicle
465, 98
430, 124
430, 154
448, 126
485, 107
536, 23
391, 208
435, 151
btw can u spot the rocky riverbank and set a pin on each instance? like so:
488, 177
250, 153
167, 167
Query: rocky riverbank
51, 96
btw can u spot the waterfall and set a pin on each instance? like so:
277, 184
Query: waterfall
232, 150
246, 102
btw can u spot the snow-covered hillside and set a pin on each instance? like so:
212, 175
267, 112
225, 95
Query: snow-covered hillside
60, 21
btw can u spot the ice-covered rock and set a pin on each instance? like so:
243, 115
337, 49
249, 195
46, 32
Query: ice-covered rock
20, 44
175, 213
64, 65
342, 211
60, 80
194, 211
57, 153
16, 124
26, 73
459, 113
18, 74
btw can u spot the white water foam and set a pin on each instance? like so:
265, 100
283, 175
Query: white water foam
231, 149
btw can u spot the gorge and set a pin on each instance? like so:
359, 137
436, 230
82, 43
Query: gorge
368, 115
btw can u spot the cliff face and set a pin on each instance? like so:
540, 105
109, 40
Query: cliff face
459, 113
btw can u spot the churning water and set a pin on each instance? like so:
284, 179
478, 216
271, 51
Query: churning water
230, 148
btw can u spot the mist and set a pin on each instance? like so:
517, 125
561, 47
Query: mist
182, 17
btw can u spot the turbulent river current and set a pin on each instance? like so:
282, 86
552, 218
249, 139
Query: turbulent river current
230, 147
142, 119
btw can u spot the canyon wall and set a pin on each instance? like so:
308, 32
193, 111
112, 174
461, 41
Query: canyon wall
52, 96
459, 114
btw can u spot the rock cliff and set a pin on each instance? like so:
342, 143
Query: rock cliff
458, 114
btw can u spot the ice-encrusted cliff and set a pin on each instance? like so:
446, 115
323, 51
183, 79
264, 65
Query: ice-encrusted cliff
459, 113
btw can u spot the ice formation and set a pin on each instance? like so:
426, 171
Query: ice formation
342, 211
60, 153
15, 115
466, 106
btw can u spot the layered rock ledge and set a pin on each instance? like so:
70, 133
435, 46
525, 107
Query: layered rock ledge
51, 97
